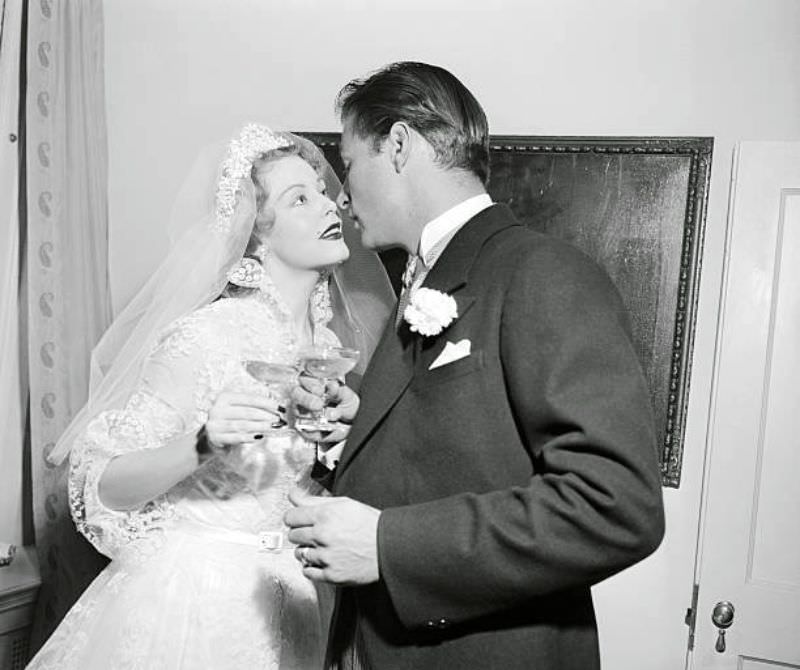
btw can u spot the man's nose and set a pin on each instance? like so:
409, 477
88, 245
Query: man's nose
343, 199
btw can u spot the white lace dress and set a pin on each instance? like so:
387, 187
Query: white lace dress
203, 576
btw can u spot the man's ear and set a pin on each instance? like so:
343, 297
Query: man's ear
399, 144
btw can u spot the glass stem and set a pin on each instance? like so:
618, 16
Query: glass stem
325, 399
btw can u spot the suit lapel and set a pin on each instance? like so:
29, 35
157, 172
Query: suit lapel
387, 376
392, 366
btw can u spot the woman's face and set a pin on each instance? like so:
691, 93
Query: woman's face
306, 232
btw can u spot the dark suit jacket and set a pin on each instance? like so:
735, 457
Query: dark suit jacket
510, 481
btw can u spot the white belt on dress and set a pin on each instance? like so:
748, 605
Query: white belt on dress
267, 541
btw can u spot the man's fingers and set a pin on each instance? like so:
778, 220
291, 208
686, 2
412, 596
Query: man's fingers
314, 573
339, 433
302, 536
327, 436
300, 498
306, 399
306, 510
333, 414
333, 387
299, 517
310, 384
310, 555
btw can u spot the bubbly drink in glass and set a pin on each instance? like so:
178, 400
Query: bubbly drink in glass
326, 364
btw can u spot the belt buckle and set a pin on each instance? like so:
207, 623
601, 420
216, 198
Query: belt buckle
270, 541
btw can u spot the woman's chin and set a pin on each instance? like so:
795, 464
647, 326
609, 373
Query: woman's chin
339, 254
331, 259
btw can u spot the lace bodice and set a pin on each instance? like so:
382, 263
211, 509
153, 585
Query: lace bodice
191, 363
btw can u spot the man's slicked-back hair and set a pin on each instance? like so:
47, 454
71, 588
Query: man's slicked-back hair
430, 100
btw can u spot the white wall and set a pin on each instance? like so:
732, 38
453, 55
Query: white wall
185, 72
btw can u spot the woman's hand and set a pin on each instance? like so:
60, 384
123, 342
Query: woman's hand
241, 417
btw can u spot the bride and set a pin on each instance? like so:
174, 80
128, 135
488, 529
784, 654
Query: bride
181, 464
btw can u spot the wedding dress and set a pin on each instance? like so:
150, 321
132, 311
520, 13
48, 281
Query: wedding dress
202, 577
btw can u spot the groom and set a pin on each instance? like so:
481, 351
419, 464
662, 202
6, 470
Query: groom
503, 457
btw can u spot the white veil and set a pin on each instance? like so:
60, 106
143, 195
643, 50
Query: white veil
207, 240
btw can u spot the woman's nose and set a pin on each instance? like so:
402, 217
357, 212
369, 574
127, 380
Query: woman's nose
330, 206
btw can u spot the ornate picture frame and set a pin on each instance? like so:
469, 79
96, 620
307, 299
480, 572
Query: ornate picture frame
637, 205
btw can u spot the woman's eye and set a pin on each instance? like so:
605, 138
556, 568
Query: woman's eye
300, 200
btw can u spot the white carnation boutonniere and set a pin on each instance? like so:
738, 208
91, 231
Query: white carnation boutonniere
430, 311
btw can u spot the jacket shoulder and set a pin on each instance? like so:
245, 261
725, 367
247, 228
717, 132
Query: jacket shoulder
521, 250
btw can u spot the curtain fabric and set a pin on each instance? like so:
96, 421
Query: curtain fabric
68, 298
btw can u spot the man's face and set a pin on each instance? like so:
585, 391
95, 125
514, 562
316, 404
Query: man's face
370, 190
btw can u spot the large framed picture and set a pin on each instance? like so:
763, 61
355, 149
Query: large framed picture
637, 206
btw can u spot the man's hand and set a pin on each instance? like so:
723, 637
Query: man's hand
240, 417
342, 406
337, 539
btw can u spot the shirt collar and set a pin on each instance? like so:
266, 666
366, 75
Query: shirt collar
447, 224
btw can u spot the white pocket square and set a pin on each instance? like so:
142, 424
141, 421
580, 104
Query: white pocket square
452, 353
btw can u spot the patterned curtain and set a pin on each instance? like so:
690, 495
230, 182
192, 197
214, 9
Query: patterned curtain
67, 266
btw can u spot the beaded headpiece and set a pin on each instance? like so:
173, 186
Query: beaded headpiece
254, 140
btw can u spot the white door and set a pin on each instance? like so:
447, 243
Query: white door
749, 548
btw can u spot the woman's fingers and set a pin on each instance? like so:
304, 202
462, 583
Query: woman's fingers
253, 406
246, 427
230, 433
239, 426
250, 400
238, 413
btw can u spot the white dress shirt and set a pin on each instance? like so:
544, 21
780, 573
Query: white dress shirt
437, 233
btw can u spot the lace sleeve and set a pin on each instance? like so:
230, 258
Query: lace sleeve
166, 404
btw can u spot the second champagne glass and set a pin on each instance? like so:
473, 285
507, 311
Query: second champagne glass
326, 363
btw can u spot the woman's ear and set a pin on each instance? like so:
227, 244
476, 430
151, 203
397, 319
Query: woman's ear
262, 225
399, 145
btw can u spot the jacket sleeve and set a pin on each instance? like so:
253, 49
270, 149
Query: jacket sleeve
593, 505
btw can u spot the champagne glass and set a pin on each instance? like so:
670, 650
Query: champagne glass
252, 460
279, 379
326, 363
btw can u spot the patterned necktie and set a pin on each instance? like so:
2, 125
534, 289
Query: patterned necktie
415, 266
417, 269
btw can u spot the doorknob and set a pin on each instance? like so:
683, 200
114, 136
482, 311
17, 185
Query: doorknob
722, 616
